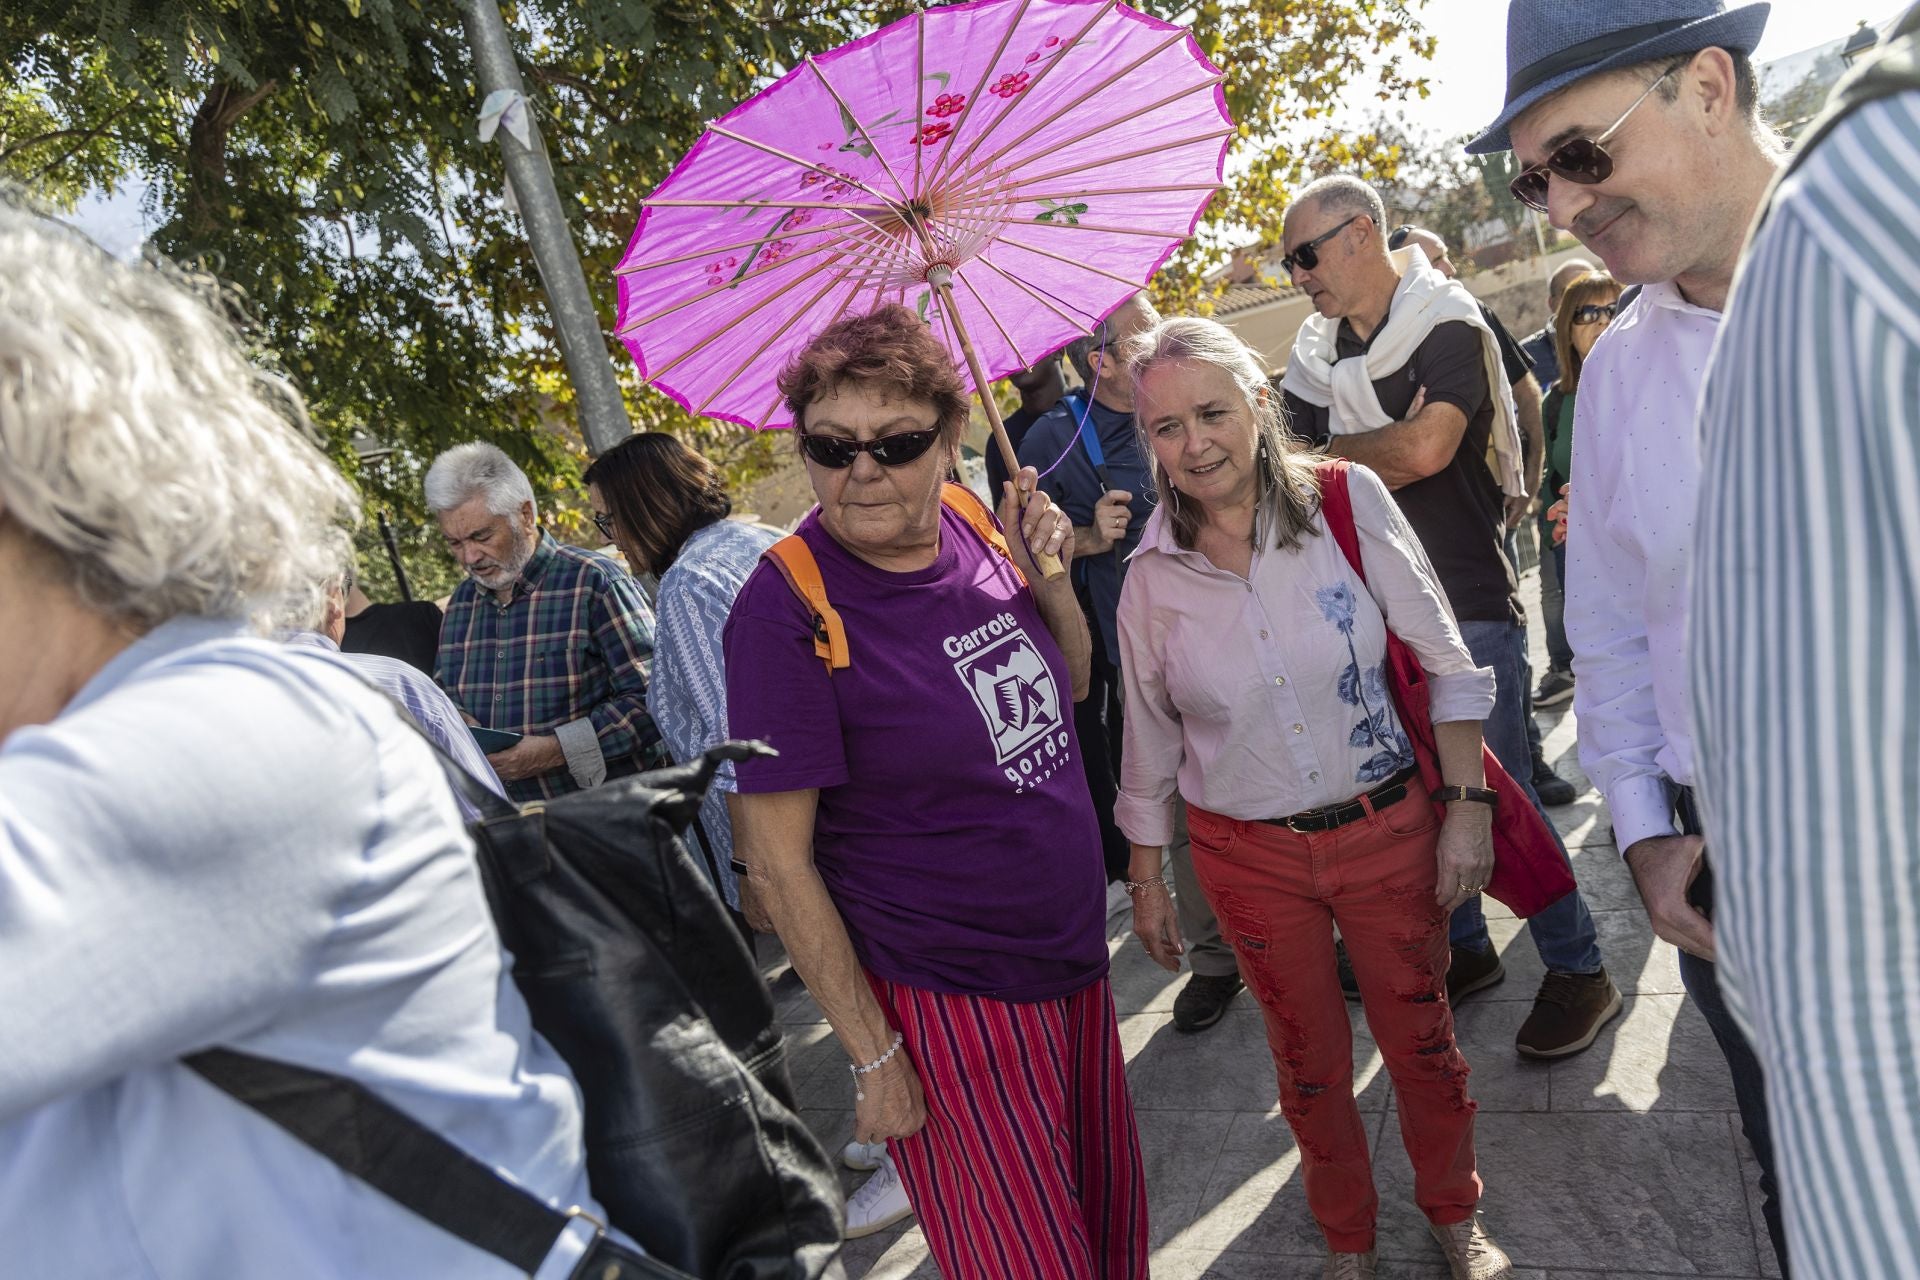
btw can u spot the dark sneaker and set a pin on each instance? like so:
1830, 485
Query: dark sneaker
1567, 1014
1471, 971
1552, 789
1349, 985
1555, 688
1203, 1001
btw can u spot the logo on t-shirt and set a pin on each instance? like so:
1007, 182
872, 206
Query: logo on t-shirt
1010, 683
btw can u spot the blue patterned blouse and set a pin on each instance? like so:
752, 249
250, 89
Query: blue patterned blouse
687, 694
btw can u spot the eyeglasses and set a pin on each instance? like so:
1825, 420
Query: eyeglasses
896, 450
603, 521
1581, 160
1307, 256
1399, 236
1594, 312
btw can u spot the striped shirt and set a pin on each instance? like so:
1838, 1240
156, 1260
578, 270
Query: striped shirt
688, 692
1806, 666
571, 646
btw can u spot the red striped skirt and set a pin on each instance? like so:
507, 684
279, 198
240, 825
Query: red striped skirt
1029, 1165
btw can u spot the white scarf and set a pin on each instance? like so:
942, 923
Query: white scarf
1422, 299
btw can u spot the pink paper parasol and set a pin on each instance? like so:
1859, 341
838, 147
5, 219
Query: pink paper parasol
1012, 170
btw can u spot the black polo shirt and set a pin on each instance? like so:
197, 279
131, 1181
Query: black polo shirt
1458, 511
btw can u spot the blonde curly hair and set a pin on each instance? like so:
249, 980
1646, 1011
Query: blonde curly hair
139, 445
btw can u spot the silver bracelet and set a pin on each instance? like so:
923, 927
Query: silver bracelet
859, 1094
1134, 886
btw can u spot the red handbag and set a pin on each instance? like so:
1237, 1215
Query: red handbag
1530, 873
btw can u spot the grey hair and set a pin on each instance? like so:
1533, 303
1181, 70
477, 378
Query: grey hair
478, 470
1284, 468
1342, 193
165, 474
1569, 271
1080, 350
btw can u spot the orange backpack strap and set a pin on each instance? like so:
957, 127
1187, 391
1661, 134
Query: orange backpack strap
966, 504
794, 559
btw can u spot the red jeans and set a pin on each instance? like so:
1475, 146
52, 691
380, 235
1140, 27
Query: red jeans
1278, 894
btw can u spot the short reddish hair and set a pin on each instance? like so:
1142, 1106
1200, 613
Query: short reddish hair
891, 348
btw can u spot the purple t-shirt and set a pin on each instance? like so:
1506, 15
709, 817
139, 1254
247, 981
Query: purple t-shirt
954, 831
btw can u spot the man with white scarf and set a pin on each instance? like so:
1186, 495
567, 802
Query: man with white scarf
1399, 372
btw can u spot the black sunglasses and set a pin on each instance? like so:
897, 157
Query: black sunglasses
603, 521
1594, 311
1307, 256
896, 450
1581, 160
1398, 238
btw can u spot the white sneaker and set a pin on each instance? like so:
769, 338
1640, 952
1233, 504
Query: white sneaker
863, 1156
878, 1204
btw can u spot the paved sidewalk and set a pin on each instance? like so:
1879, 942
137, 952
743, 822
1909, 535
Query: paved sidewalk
1625, 1161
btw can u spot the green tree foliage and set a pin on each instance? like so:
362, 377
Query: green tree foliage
1293, 67
321, 157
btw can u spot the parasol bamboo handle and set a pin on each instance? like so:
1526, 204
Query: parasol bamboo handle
941, 278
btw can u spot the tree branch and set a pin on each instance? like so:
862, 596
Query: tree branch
562, 79
206, 165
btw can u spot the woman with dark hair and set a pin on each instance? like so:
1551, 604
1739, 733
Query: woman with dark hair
924, 842
665, 507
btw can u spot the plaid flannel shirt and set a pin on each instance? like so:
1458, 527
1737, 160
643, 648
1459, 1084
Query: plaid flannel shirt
572, 644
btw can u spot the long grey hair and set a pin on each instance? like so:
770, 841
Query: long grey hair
1286, 470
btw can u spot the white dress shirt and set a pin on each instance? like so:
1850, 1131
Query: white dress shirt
1264, 696
1635, 474
223, 841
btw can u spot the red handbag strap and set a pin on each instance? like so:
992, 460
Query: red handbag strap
1336, 509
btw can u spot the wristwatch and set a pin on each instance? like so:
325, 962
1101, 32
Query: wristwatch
1474, 795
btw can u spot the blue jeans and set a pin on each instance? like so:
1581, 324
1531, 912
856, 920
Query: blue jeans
1564, 932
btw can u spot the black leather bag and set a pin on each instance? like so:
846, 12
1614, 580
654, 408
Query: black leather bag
633, 971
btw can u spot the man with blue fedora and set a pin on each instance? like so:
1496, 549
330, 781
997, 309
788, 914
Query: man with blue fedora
1634, 125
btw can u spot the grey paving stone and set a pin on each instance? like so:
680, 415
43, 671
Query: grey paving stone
1180, 1150
1255, 1202
1657, 1056
1205, 1264
897, 1254
1628, 1193
1610, 1274
1501, 1079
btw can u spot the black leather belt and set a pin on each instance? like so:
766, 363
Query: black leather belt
1390, 792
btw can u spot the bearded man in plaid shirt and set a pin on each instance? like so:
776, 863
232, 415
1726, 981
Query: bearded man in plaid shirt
542, 639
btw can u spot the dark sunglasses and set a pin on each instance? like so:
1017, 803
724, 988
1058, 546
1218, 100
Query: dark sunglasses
896, 450
1581, 160
603, 521
1594, 311
1307, 256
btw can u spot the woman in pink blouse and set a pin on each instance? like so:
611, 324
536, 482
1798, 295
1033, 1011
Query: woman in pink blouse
1252, 657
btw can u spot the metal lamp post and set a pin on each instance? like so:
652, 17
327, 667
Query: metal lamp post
603, 415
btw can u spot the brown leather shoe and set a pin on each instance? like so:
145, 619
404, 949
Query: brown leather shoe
1471, 1252
1567, 1014
1350, 1266
1471, 971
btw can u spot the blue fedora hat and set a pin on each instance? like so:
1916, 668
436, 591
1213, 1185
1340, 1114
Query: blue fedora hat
1551, 44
